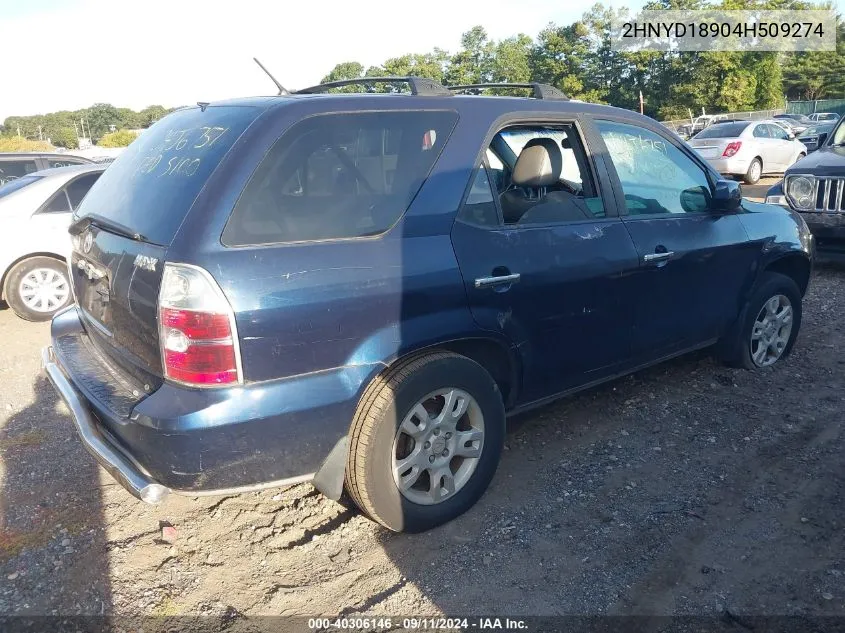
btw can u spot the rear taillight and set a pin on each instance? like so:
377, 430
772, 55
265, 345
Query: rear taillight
199, 342
732, 149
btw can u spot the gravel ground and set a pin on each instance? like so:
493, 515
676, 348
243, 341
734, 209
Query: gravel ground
686, 489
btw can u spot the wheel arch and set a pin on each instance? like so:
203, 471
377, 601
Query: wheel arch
498, 359
793, 265
23, 258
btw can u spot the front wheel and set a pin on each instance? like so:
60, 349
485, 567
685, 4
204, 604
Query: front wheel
769, 325
37, 288
425, 441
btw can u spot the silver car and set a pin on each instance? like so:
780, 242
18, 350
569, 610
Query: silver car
35, 213
748, 149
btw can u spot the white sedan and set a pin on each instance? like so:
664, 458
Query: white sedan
748, 149
35, 213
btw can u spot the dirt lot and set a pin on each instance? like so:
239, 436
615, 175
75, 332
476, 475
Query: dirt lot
687, 489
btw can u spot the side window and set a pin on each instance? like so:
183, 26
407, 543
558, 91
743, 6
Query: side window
63, 162
79, 187
480, 207
656, 176
339, 176
58, 203
762, 131
775, 131
549, 180
13, 169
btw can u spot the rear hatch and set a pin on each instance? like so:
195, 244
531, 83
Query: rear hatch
125, 224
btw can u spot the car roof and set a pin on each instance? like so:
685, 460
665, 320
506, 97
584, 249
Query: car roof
70, 170
336, 102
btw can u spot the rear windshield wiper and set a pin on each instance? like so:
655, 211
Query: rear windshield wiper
109, 225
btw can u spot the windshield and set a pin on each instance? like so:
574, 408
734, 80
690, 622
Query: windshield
151, 186
722, 130
815, 130
17, 184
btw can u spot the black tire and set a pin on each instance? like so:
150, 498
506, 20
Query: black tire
737, 347
752, 177
12, 293
384, 405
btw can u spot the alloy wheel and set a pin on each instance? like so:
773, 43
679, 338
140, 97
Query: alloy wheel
437, 446
771, 331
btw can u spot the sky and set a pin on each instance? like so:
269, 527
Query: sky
70, 54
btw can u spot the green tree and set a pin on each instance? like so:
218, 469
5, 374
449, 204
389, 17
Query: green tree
121, 138
151, 114
65, 137
100, 117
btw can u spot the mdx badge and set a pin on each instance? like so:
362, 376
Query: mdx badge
146, 262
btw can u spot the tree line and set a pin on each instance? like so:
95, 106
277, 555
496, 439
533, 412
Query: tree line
577, 58
63, 128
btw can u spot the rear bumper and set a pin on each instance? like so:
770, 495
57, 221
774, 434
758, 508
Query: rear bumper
199, 441
734, 166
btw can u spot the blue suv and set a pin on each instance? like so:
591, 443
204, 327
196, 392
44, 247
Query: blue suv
355, 290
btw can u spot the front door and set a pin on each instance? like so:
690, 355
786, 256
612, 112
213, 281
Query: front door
694, 262
548, 266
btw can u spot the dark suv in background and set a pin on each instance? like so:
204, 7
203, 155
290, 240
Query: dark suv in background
356, 289
815, 188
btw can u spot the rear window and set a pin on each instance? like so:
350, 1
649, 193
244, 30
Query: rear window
339, 176
153, 183
723, 130
15, 185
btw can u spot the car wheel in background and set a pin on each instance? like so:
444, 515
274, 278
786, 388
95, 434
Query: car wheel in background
755, 170
37, 288
425, 441
767, 329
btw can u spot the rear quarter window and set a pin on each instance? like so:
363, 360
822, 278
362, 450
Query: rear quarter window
153, 183
341, 175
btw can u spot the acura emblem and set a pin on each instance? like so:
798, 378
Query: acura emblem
86, 245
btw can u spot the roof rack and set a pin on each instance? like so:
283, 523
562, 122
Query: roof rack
540, 91
419, 85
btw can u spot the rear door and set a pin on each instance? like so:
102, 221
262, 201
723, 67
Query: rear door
556, 285
783, 145
128, 219
694, 263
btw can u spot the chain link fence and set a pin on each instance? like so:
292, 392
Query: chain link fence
687, 127
820, 105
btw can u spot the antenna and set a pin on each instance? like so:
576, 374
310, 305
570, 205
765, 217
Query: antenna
282, 89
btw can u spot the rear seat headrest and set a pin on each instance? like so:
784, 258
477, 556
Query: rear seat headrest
539, 164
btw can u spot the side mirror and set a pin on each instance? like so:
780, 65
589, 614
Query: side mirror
791, 136
727, 195
822, 139
696, 200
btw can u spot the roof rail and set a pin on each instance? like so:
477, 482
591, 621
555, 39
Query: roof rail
419, 85
540, 91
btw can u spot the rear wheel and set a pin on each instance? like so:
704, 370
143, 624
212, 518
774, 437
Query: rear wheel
37, 288
755, 170
425, 442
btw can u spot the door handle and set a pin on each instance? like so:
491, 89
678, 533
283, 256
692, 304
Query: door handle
657, 257
487, 282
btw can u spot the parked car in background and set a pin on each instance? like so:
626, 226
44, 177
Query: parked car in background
790, 127
356, 288
816, 135
798, 122
694, 127
35, 212
824, 116
15, 165
748, 149
815, 188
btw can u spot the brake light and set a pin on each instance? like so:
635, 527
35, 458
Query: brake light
732, 149
199, 342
